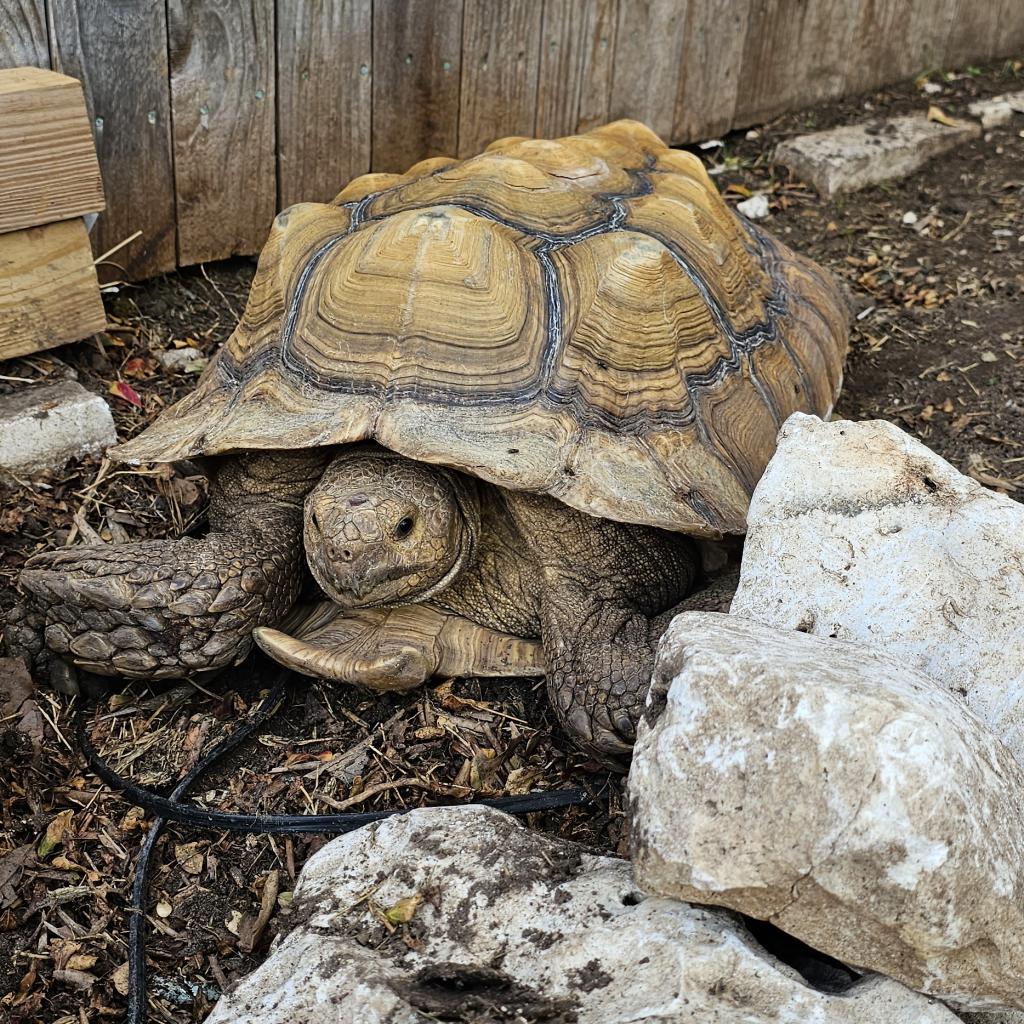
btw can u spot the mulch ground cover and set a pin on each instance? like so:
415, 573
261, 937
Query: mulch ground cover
936, 266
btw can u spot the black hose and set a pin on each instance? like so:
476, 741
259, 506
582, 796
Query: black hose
170, 809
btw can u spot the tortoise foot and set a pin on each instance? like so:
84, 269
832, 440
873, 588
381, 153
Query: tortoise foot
397, 648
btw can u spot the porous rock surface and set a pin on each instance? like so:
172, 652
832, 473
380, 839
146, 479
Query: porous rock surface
491, 922
841, 795
851, 157
860, 532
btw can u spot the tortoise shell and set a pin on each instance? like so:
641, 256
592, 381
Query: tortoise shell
582, 317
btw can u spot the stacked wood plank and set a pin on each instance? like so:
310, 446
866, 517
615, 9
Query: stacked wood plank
49, 180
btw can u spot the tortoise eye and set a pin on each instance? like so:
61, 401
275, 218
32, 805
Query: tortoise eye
404, 527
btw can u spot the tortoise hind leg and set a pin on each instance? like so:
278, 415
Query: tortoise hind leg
398, 648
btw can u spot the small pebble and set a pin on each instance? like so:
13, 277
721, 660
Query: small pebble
755, 208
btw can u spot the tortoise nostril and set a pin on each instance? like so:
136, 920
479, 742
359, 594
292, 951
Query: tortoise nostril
346, 555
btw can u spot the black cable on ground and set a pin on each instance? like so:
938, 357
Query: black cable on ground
169, 808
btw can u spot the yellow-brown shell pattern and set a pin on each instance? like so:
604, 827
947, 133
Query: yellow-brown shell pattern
582, 317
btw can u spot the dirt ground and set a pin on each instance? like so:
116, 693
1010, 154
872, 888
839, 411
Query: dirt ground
938, 347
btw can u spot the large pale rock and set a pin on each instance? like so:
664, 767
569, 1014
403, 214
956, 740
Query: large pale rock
492, 922
860, 532
840, 794
852, 157
42, 428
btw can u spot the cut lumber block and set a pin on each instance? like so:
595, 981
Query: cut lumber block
49, 293
48, 166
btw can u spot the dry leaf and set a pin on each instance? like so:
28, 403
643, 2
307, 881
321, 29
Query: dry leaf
77, 979
28, 979
936, 114
250, 930
55, 833
17, 701
233, 921
120, 979
134, 818
125, 391
189, 857
184, 490
403, 911
11, 867
135, 367
61, 862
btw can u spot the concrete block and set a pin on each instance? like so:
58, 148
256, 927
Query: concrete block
854, 156
42, 428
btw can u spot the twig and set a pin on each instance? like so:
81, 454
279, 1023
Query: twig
956, 231
383, 787
87, 498
117, 248
213, 284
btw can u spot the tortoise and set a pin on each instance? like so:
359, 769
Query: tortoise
491, 402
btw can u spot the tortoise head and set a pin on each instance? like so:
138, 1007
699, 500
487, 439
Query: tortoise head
382, 529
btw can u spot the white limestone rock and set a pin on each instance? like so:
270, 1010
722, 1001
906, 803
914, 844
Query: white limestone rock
852, 157
860, 532
494, 923
182, 360
841, 795
43, 428
754, 208
997, 110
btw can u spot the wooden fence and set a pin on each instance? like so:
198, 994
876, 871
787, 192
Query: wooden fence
210, 115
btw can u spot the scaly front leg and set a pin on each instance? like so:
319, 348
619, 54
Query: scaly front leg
601, 585
165, 609
600, 657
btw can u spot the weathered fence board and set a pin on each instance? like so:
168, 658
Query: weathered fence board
23, 36
793, 49
500, 58
417, 67
648, 54
881, 41
709, 78
561, 66
598, 56
222, 95
276, 102
324, 55
118, 49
